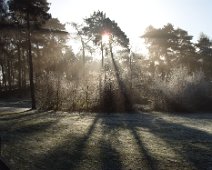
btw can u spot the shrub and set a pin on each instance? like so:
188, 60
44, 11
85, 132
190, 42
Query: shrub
56, 92
181, 91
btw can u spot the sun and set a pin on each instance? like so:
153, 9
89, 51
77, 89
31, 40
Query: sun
105, 38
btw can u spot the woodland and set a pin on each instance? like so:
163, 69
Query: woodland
107, 106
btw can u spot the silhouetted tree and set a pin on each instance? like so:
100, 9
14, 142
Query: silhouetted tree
204, 46
168, 47
98, 25
95, 29
2, 9
33, 13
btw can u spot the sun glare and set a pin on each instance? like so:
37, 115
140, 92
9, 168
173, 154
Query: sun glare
105, 38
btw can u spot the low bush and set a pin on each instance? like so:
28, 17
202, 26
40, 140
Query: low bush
181, 91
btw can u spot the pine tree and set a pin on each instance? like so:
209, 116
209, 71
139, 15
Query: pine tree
33, 13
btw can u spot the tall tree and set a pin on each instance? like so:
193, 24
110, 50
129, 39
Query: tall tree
99, 24
33, 13
80, 35
2, 8
204, 46
95, 29
169, 46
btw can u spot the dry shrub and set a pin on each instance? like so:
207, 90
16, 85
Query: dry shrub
55, 92
182, 91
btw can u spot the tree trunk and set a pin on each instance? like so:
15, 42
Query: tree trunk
3, 72
38, 70
23, 73
12, 75
83, 56
102, 54
122, 87
1, 79
101, 72
131, 71
32, 89
9, 74
19, 67
83, 51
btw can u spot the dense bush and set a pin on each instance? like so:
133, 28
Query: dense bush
93, 91
181, 91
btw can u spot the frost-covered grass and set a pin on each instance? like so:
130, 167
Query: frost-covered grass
57, 140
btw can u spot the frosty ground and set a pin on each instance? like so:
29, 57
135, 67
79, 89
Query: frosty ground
38, 140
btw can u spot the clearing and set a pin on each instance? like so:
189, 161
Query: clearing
33, 140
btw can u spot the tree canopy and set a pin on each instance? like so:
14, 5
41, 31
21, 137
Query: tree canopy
98, 24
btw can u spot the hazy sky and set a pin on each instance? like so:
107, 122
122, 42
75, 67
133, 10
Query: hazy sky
133, 16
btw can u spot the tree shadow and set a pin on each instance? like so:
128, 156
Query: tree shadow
124, 121
143, 150
177, 136
6, 114
199, 157
14, 140
69, 153
204, 115
24, 116
19, 115
21, 129
16, 103
32, 128
109, 156
193, 145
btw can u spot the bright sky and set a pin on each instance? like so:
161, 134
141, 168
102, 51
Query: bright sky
135, 15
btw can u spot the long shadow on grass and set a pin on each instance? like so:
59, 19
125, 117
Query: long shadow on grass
22, 128
142, 149
25, 116
109, 156
69, 153
182, 139
18, 103
16, 141
175, 134
17, 120
146, 160
195, 116
32, 128
9, 114
19, 115
20, 133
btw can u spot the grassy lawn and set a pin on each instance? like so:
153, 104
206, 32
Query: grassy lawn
57, 140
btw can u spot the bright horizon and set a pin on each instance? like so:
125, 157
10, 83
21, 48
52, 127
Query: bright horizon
135, 16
